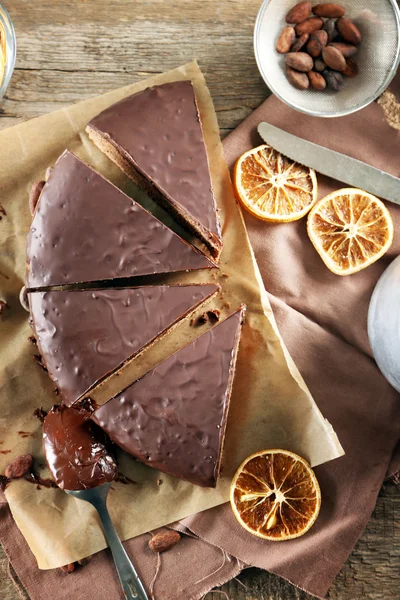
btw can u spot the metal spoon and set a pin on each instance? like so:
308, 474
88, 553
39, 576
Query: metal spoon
131, 584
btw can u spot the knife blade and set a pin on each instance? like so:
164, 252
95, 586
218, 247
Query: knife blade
333, 164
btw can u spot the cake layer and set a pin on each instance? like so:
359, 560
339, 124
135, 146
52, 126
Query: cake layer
85, 229
174, 418
84, 335
156, 137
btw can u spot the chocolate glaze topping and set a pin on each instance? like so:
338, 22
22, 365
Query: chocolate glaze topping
174, 417
85, 229
84, 335
76, 450
160, 131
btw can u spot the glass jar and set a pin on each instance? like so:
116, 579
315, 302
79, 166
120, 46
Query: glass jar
8, 46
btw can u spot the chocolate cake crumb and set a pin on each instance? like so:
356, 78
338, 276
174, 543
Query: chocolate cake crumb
159, 481
25, 434
38, 360
214, 315
32, 477
87, 404
124, 479
198, 321
225, 275
3, 306
32, 340
40, 414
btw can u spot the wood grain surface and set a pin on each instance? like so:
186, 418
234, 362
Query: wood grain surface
71, 50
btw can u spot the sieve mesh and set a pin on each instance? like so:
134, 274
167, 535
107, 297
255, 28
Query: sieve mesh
377, 57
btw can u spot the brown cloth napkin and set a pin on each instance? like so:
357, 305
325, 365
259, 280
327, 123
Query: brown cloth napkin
322, 319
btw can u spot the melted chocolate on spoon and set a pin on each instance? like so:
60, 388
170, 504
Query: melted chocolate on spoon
76, 450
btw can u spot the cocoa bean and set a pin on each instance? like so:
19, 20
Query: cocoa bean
349, 31
316, 43
319, 65
321, 36
329, 10
300, 42
314, 48
351, 69
299, 13
297, 79
317, 80
285, 40
67, 569
309, 25
300, 61
163, 541
19, 466
330, 28
333, 58
346, 49
334, 80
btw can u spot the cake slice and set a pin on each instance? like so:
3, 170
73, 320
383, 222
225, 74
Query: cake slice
84, 335
85, 229
156, 138
174, 418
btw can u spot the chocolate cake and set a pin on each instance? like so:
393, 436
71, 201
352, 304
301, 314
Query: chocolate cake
174, 418
85, 229
84, 335
156, 138
76, 450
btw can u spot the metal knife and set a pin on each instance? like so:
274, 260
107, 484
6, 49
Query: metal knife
328, 162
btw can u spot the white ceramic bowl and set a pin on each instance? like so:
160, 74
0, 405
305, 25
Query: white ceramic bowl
7, 25
378, 57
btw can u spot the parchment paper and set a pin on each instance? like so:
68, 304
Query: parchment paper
270, 407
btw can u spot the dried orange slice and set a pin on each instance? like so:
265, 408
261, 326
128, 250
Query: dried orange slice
273, 187
350, 229
275, 495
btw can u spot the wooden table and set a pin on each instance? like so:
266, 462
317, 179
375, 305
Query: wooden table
71, 50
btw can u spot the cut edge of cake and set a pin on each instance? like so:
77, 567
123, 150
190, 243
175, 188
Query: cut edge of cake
232, 370
120, 157
209, 264
101, 380
242, 310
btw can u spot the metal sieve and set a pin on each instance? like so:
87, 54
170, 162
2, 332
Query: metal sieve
378, 57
